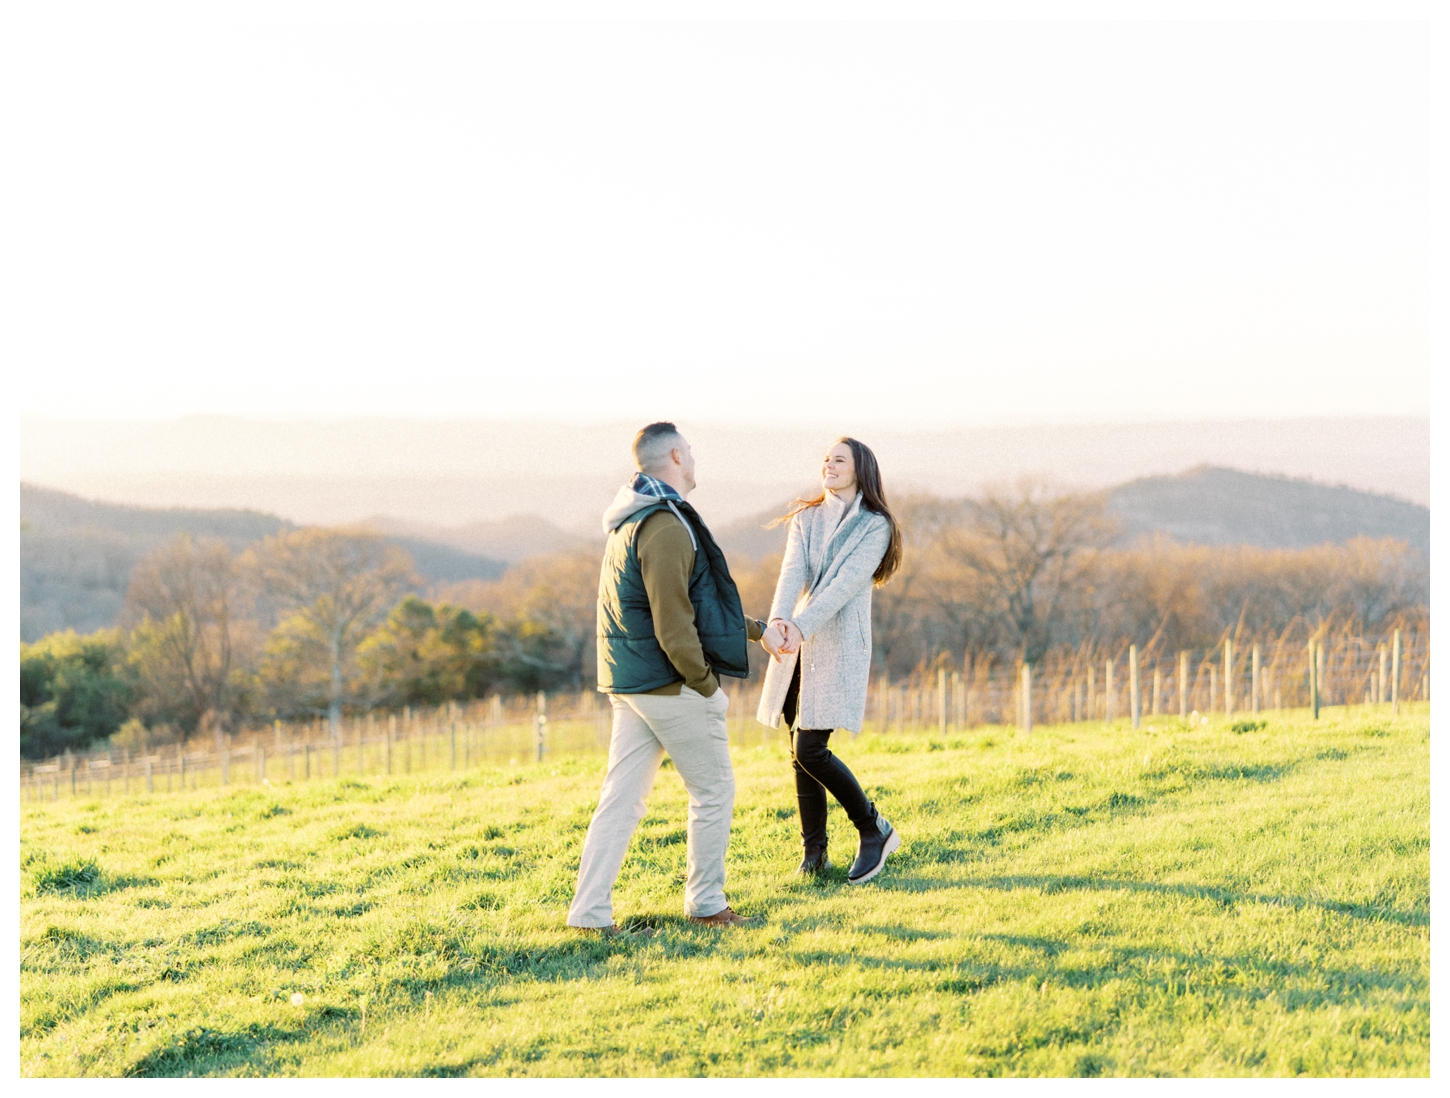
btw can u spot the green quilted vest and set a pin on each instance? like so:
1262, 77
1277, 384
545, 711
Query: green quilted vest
631, 661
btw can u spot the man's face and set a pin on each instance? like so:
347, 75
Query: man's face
687, 464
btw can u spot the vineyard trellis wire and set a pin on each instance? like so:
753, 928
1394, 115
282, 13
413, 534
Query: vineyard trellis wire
1240, 673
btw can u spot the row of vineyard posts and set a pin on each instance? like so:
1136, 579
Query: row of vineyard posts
1065, 687
1074, 687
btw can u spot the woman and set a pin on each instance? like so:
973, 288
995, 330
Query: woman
840, 543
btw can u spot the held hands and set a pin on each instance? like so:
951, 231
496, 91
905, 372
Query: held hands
771, 640
790, 634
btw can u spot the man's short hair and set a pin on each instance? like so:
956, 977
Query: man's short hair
653, 444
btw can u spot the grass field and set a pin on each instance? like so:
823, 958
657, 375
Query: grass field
1083, 901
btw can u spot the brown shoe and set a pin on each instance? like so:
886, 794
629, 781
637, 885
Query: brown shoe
615, 931
723, 919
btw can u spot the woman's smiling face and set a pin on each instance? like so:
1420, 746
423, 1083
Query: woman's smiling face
838, 470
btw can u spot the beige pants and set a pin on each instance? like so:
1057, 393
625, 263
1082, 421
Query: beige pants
691, 728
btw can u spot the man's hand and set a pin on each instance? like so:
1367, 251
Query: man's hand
771, 640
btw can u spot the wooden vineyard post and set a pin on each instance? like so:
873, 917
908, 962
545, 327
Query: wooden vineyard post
307, 760
361, 755
150, 776
1026, 697
1395, 675
1092, 694
452, 745
968, 677
1313, 683
941, 701
392, 735
1228, 678
541, 724
1157, 690
959, 707
1135, 700
1108, 707
1254, 681
1319, 677
1381, 694
1183, 685
337, 750
409, 727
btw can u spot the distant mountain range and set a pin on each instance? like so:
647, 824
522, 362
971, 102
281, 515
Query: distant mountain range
510, 539
1213, 506
77, 555
1205, 506
450, 472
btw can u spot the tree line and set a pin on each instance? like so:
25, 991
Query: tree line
313, 623
308, 623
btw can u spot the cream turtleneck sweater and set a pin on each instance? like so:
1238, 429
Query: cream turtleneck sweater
833, 510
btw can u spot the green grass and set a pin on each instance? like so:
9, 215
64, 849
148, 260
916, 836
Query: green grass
1083, 901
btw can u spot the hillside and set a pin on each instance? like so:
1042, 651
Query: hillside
1206, 506
1088, 900
452, 472
509, 539
753, 536
1216, 506
77, 555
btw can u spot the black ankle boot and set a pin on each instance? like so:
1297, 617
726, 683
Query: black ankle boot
815, 861
878, 840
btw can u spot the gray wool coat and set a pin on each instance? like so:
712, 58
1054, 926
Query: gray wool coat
825, 588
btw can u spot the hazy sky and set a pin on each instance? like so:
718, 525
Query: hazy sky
937, 223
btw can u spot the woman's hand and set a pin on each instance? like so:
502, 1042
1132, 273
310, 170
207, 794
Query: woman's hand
771, 640
792, 634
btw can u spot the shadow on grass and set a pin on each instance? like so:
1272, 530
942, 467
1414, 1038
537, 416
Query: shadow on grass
1049, 883
202, 1050
76, 877
1171, 973
473, 961
1227, 897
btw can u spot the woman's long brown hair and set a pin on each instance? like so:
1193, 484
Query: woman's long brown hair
873, 498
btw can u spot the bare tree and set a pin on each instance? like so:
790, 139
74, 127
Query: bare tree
1027, 546
181, 605
331, 587
897, 607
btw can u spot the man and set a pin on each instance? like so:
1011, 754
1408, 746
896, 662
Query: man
670, 624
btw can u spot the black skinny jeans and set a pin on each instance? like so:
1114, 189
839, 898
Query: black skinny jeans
817, 770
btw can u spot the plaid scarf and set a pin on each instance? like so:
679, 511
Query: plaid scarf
649, 486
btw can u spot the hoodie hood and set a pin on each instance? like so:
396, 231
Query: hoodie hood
626, 502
